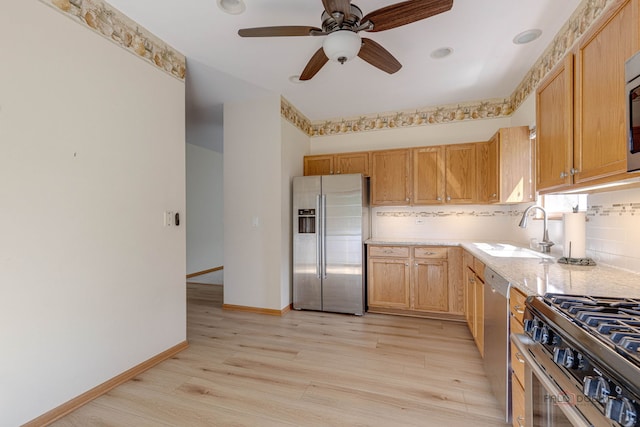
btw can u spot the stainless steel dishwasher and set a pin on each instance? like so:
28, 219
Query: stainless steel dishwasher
496, 338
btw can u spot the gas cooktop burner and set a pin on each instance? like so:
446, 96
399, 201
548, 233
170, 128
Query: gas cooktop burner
614, 321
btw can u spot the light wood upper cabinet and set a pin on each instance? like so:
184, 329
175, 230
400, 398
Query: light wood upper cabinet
600, 131
352, 163
580, 106
505, 167
444, 174
390, 171
428, 175
460, 173
343, 163
554, 127
318, 165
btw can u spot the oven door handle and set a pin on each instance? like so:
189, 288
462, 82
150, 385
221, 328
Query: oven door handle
573, 415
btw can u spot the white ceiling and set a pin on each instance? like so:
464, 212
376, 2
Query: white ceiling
222, 66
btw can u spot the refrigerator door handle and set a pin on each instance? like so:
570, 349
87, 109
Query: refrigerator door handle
323, 219
318, 239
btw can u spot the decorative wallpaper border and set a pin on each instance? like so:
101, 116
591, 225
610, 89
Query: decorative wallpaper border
579, 22
117, 27
295, 117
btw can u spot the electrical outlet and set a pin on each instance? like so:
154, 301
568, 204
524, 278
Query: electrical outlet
168, 218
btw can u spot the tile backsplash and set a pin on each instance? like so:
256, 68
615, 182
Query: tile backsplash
613, 228
612, 232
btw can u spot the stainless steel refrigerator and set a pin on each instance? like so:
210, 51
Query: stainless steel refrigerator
330, 225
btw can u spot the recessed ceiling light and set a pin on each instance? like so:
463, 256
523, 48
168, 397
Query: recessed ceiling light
443, 52
527, 36
295, 79
234, 7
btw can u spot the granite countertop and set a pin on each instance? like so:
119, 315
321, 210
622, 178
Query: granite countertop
537, 276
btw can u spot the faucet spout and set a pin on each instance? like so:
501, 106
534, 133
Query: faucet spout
546, 243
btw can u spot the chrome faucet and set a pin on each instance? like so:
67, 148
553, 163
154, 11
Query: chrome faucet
546, 243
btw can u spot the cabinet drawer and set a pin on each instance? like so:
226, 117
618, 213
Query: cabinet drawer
389, 251
429, 252
516, 303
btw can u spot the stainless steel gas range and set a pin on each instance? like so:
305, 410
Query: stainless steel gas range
582, 359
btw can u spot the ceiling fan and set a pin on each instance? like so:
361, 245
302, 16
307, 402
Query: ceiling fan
341, 23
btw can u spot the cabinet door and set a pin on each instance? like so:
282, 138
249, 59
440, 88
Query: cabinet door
430, 285
428, 175
389, 283
469, 299
518, 404
479, 314
389, 178
352, 163
516, 183
487, 160
460, 173
318, 165
554, 127
600, 138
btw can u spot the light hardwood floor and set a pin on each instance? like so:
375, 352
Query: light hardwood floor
304, 369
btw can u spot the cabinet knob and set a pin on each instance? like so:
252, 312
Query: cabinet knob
520, 358
416, 264
406, 200
338, 172
448, 198
574, 171
518, 309
407, 264
520, 421
439, 199
494, 195
563, 175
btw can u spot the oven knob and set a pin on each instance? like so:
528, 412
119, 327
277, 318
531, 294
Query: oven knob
564, 357
529, 324
596, 388
536, 333
583, 363
619, 409
546, 335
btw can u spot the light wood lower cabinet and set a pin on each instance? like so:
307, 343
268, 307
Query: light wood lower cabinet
415, 280
516, 315
474, 298
517, 404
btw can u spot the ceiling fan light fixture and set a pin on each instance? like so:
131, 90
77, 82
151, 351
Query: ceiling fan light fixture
527, 36
233, 7
342, 46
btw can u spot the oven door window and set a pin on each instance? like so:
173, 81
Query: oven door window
547, 406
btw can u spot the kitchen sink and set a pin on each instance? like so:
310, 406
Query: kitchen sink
509, 251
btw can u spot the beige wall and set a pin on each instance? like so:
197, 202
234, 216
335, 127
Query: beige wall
252, 203
205, 228
91, 154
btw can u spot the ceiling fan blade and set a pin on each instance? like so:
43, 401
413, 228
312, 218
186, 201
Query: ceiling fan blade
405, 13
314, 65
378, 56
293, 30
342, 6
